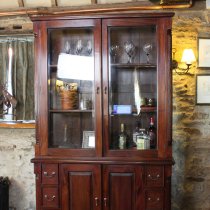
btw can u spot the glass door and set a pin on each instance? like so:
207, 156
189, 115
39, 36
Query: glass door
131, 81
72, 89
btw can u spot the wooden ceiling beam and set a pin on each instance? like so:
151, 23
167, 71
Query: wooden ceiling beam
21, 3
93, 9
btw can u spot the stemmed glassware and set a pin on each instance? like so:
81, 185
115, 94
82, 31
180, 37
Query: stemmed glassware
78, 47
67, 47
147, 49
114, 52
130, 50
89, 48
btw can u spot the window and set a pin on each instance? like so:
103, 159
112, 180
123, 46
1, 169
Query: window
17, 78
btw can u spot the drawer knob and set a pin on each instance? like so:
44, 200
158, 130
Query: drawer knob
49, 175
96, 201
105, 202
150, 199
49, 198
154, 177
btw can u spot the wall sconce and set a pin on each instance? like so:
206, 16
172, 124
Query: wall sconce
188, 58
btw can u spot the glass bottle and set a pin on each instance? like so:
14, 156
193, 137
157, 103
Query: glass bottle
136, 132
123, 138
152, 133
142, 140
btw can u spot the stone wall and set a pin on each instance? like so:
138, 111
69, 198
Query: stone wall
191, 123
191, 133
16, 151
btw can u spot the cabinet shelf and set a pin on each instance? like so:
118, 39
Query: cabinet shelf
134, 66
70, 111
148, 109
144, 109
123, 65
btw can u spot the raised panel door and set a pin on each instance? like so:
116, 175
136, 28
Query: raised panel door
122, 187
81, 186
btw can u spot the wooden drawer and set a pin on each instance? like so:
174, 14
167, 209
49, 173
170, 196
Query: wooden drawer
154, 176
50, 197
49, 174
154, 199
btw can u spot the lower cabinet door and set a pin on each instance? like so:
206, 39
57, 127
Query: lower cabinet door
122, 187
81, 187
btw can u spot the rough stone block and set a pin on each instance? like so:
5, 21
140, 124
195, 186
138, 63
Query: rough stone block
16, 152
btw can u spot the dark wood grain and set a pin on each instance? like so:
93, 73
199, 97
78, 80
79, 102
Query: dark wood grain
69, 177
122, 187
81, 187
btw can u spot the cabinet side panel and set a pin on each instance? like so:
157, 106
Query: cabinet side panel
165, 89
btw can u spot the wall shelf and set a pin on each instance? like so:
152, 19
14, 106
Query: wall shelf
17, 125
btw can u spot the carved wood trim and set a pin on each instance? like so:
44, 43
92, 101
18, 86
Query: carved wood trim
17, 125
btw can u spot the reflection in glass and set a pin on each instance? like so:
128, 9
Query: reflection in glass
137, 93
75, 67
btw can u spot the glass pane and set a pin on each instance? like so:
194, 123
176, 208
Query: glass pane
71, 92
132, 88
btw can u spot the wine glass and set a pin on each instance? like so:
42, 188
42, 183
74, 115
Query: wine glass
114, 52
130, 50
78, 47
147, 49
89, 48
67, 47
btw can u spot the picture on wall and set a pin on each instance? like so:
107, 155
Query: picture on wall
203, 89
203, 52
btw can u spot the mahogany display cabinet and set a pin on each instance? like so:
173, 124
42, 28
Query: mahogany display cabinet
95, 75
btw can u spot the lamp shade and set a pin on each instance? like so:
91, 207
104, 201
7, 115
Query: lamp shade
188, 56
